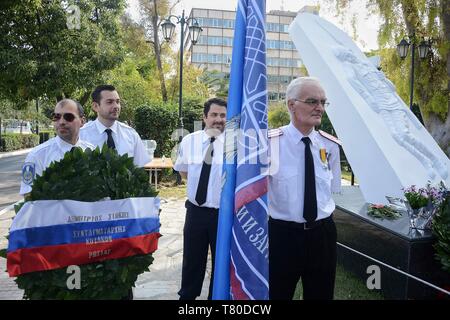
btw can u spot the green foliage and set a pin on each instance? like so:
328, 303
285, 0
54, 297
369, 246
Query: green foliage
134, 78
17, 141
416, 199
89, 176
45, 135
326, 125
41, 56
278, 116
158, 122
192, 112
192, 84
133, 88
217, 83
441, 229
107, 280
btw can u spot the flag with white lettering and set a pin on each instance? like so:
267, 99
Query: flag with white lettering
52, 234
242, 241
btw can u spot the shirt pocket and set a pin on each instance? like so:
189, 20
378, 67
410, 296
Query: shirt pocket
323, 184
286, 186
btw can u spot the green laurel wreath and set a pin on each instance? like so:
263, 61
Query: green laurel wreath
89, 176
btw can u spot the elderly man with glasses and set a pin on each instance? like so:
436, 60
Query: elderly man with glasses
68, 118
304, 171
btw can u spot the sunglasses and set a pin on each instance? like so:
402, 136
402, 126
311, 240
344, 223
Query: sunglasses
69, 117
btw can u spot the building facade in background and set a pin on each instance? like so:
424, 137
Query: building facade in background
214, 47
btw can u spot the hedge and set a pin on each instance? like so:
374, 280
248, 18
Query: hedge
17, 141
157, 122
46, 135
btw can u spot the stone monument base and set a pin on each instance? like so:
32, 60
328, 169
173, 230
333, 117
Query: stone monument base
391, 242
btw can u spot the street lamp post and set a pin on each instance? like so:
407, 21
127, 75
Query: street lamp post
168, 28
402, 50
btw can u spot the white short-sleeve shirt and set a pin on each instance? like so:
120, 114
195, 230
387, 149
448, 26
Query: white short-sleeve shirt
42, 156
287, 169
126, 139
191, 153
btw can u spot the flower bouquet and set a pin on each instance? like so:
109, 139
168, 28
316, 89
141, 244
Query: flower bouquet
422, 203
383, 212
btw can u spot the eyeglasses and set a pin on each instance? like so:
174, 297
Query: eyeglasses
69, 117
314, 102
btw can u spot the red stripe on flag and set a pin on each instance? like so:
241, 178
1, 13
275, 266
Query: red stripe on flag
236, 286
249, 193
59, 256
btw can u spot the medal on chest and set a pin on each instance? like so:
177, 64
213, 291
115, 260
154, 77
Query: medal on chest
324, 158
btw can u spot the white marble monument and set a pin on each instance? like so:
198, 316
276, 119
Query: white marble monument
387, 147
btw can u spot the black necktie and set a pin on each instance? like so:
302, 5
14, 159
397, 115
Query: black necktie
310, 200
202, 188
110, 141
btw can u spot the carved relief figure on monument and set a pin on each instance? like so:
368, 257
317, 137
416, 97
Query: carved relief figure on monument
380, 95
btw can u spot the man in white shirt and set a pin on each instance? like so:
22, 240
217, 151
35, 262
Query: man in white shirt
200, 158
305, 171
68, 118
107, 129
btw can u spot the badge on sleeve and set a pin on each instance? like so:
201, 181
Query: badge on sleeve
28, 172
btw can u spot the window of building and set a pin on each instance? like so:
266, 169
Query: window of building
273, 96
228, 41
202, 40
228, 23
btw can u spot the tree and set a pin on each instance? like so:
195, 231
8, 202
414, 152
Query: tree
216, 82
135, 78
193, 86
429, 18
278, 115
152, 11
54, 48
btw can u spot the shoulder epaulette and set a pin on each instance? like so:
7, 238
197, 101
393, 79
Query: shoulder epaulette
275, 133
330, 137
124, 125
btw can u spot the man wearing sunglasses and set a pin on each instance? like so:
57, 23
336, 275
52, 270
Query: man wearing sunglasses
304, 172
68, 118
106, 129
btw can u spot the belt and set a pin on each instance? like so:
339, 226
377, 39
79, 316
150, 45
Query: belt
301, 226
190, 204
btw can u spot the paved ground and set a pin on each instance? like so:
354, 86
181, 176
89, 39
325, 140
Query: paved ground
10, 177
164, 279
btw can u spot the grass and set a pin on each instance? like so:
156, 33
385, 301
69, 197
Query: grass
173, 192
347, 287
168, 188
346, 175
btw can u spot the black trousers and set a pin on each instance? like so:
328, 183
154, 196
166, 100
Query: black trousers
200, 231
307, 254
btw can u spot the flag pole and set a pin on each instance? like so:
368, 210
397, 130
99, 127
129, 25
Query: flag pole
221, 285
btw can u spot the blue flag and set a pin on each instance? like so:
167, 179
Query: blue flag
242, 250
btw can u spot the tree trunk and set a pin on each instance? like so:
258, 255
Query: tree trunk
158, 51
440, 130
84, 98
445, 7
